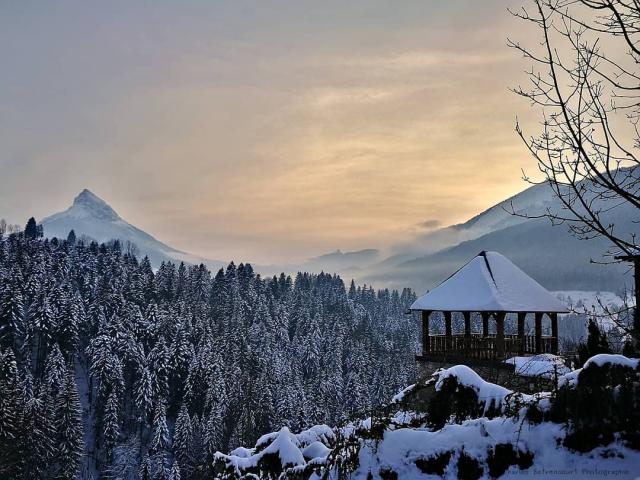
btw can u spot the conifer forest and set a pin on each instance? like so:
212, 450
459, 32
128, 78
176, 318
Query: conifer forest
109, 369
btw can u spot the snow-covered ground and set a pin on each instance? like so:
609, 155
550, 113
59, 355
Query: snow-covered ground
544, 365
402, 446
400, 449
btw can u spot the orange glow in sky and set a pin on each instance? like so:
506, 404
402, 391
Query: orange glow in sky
262, 131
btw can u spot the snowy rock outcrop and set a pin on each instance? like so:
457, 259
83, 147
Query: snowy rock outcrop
600, 360
279, 451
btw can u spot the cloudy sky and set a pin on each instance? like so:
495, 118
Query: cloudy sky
262, 131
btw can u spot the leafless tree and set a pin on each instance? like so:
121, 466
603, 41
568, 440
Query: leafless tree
585, 82
8, 228
132, 249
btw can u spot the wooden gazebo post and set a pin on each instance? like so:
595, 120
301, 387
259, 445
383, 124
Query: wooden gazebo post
447, 329
554, 333
425, 332
538, 332
522, 341
500, 333
485, 324
467, 331
467, 324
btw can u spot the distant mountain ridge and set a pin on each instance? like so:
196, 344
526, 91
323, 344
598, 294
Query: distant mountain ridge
550, 254
91, 216
344, 260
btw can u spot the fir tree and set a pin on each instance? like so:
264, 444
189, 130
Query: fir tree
596, 343
160, 438
39, 436
12, 328
161, 468
40, 330
111, 421
213, 433
175, 471
223, 359
145, 472
183, 438
69, 430
70, 318
144, 392
11, 418
31, 229
55, 373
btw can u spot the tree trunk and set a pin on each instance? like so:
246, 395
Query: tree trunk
636, 309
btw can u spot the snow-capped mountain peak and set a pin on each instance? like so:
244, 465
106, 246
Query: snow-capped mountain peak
92, 217
88, 203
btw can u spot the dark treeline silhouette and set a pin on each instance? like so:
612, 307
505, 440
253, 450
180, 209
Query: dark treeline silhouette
109, 369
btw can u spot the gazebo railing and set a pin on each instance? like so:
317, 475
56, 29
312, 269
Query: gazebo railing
486, 347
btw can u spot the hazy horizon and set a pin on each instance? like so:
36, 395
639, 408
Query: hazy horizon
265, 133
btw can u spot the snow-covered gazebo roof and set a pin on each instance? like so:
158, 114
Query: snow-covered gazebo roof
490, 282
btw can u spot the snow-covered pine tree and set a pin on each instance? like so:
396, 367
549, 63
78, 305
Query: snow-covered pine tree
181, 352
183, 440
214, 430
255, 352
174, 474
12, 322
160, 437
144, 393
55, 371
38, 436
146, 471
159, 361
165, 282
11, 418
161, 467
40, 330
69, 321
355, 390
69, 430
111, 421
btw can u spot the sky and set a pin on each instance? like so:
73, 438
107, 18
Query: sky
262, 131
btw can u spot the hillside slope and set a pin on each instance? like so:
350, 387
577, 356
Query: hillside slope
554, 258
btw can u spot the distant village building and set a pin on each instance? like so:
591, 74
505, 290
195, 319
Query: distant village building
489, 287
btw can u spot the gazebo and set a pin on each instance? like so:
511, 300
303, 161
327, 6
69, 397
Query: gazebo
492, 286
